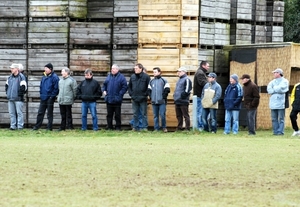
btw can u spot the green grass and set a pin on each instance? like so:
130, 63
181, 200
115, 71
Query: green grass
106, 168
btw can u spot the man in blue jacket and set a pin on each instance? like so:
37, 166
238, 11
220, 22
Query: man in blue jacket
114, 88
232, 103
48, 93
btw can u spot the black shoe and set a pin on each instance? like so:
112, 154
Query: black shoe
60, 129
48, 129
34, 128
12, 129
70, 128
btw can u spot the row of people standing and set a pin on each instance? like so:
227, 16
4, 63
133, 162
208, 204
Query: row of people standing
140, 86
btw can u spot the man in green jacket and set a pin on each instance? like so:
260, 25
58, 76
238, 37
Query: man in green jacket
66, 96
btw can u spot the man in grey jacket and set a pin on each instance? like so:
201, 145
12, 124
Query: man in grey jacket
66, 96
182, 99
158, 90
15, 89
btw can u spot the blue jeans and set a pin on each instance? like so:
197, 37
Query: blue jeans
159, 110
231, 114
140, 107
277, 116
84, 110
140, 124
15, 109
199, 113
213, 118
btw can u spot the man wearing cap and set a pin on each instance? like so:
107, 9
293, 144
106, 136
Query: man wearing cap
15, 88
277, 88
211, 93
232, 103
182, 99
251, 102
48, 93
199, 81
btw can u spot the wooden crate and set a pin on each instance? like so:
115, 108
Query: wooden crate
260, 33
166, 59
207, 33
277, 34
38, 58
222, 9
126, 59
215, 9
54, 8
10, 56
190, 8
261, 11
163, 8
97, 60
13, 9
222, 34
48, 32
240, 33
78, 9
98, 9
159, 32
13, 32
241, 9
189, 58
125, 8
189, 32
207, 8
278, 11
125, 33
90, 33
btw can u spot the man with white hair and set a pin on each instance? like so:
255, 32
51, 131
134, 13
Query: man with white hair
277, 88
15, 89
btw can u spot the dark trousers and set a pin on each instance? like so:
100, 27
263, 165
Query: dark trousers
293, 117
66, 116
113, 109
45, 105
251, 120
182, 111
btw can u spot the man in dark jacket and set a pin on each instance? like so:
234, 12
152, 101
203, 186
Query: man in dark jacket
137, 89
232, 103
295, 100
158, 90
200, 80
251, 102
114, 88
89, 91
182, 99
15, 87
48, 93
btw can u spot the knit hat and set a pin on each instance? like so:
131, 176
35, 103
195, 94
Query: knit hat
235, 77
50, 66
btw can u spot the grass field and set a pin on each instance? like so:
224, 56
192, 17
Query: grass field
107, 168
